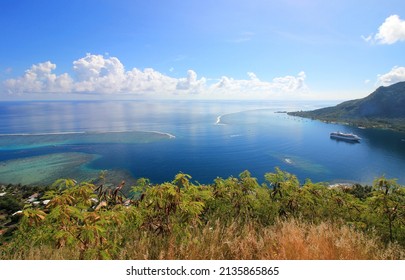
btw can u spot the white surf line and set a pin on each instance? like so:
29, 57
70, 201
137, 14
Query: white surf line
171, 136
129, 131
43, 134
87, 132
112, 131
218, 122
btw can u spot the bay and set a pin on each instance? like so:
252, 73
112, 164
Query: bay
43, 140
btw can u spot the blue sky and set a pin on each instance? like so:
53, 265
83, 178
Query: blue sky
213, 49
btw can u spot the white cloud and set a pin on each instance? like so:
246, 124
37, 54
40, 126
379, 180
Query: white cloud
291, 83
397, 74
252, 76
390, 32
280, 87
93, 74
148, 81
191, 83
39, 78
98, 74
107, 75
368, 39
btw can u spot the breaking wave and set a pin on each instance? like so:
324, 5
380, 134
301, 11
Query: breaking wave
86, 132
18, 141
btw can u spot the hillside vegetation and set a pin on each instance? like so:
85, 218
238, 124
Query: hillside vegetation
233, 218
383, 108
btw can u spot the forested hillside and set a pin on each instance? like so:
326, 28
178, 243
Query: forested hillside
382, 108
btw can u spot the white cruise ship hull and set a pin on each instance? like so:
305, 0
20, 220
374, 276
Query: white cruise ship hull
345, 136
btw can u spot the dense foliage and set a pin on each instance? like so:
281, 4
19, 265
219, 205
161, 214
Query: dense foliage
181, 219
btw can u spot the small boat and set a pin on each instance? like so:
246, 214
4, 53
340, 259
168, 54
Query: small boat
287, 160
345, 136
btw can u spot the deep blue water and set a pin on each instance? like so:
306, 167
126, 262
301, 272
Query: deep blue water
212, 138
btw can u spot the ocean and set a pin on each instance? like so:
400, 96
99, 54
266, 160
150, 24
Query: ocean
41, 141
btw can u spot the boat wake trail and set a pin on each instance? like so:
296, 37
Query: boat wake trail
218, 122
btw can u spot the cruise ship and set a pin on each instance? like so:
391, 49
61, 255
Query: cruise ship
345, 136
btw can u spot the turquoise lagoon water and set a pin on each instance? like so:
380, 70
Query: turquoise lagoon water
43, 141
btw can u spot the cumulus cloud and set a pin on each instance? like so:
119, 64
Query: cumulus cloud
39, 78
390, 32
191, 83
107, 75
397, 74
98, 74
254, 87
148, 81
290, 83
92, 74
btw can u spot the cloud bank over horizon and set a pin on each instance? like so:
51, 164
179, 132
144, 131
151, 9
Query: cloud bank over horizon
106, 76
96, 74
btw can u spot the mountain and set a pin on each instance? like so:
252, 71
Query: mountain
385, 108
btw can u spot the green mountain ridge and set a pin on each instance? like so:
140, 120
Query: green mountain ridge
385, 108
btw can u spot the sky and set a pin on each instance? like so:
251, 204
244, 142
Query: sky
211, 49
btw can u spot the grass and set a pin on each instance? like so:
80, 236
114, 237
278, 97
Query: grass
285, 240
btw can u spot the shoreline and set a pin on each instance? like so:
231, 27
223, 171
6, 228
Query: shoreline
360, 123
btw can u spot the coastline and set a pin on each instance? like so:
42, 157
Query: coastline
395, 125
